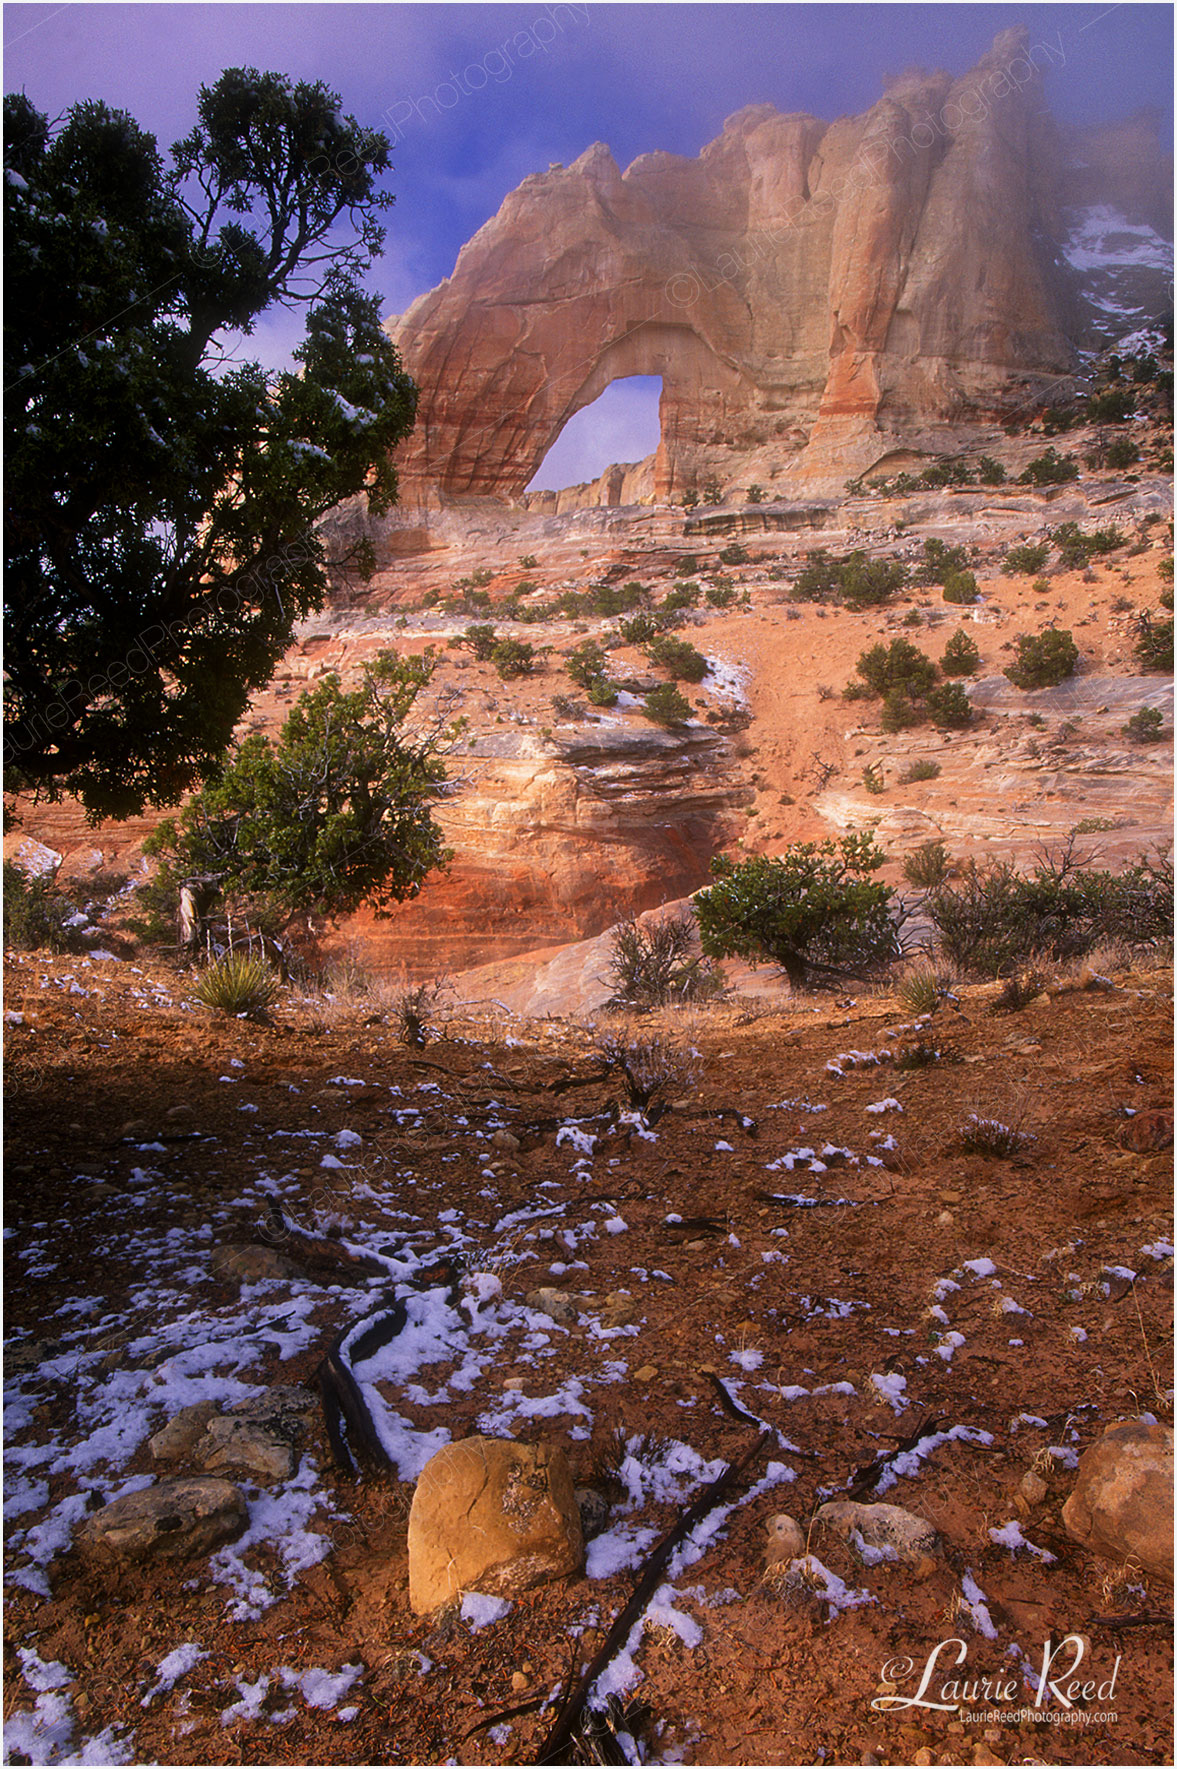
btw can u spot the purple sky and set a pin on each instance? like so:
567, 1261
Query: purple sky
476, 97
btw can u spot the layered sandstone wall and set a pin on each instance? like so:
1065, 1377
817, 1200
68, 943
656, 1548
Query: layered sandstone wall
814, 288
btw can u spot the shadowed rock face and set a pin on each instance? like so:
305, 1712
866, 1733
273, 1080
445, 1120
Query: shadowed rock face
815, 287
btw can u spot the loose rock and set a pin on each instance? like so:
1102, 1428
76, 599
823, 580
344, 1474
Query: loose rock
252, 1265
558, 1305
183, 1431
912, 1540
1122, 1505
494, 1517
169, 1521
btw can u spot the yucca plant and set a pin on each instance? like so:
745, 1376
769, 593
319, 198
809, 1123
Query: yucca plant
238, 983
922, 990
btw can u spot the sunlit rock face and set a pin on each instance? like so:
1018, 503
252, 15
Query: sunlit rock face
820, 289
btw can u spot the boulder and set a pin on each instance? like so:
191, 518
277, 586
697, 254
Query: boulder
183, 1431
171, 1520
491, 1516
1122, 1504
252, 1265
560, 1306
886, 1532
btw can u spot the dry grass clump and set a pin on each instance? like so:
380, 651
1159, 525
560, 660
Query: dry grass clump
238, 983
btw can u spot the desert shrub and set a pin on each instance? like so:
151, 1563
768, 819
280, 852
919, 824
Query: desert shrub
684, 595
568, 709
712, 493
1043, 659
689, 500
926, 866
960, 587
920, 770
37, 914
1119, 454
993, 1139
948, 470
603, 692
666, 706
856, 580
640, 628
1026, 560
658, 964
1113, 407
989, 471
813, 910
720, 595
586, 663
411, 1010
481, 639
755, 494
899, 666
922, 990
529, 562
525, 587
1145, 726
858, 691
649, 1067
949, 707
1050, 468
961, 656
512, 658
1019, 991
900, 712
736, 554
873, 780
997, 919
939, 562
678, 657
1154, 645
687, 566
238, 983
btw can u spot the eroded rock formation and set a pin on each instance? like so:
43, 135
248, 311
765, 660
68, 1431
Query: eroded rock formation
817, 289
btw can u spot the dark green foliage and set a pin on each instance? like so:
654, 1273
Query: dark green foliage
755, 494
36, 914
512, 658
1076, 548
946, 471
900, 712
712, 493
998, 919
687, 566
603, 692
926, 866
1026, 560
641, 628
920, 770
898, 666
666, 706
684, 595
961, 656
990, 472
586, 664
949, 708
480, 639
162, 503
1154, 644
689, 500
656, 965
857, 581
678, 657
873, 780
960, 586
1043, 659
720, 595
238, 984
939, 562
1121, 453
1113, 407
335, 812
1145, 726
1049, 469
814, 910
734, 555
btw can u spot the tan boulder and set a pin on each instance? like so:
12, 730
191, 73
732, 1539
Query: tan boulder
1122, 1505
171, 1520
491, 1516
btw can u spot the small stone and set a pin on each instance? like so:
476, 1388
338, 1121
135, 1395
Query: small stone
518, 1680
1032, 1487
945, 1218
494, 1517
647, 1373
951, 1197
620, 1309
594, 1510
183, 1431
170, 1520
924, 1755
179, 1117
137, 1130
505, 1142
1122, 1503
786, 1540
899, 1534
252, 1265
558, 1305
513, 1384
982, 1754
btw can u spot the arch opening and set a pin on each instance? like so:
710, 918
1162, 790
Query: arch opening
621, 424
